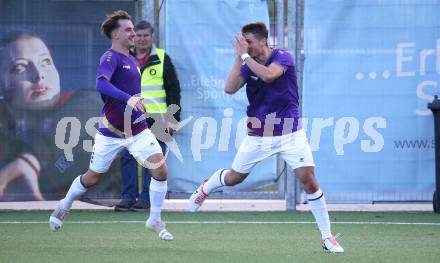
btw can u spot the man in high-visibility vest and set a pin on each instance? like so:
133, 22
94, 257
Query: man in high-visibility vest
160, 88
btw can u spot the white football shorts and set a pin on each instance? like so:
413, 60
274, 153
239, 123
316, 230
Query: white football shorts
105, 149
293, 148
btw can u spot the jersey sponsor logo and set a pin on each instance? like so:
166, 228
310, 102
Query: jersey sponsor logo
126, 67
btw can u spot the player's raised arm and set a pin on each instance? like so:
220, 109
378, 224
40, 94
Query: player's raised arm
234, 80
265, 73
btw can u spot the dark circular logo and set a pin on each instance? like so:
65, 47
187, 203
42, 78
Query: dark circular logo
152, 71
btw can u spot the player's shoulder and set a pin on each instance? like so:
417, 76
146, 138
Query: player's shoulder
283, 56
282, 52
108, 57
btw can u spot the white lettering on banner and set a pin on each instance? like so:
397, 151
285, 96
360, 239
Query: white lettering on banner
405, 59
91, 130
340, 138
377, 142
318, 125
225, 130
424, 53
304, 123
73, 138
196, 137
401, 48
424, 96
404, 56
211, 88
241, 131
215, 94
207, 82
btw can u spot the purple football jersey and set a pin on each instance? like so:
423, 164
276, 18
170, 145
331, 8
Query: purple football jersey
273, 106
122, 71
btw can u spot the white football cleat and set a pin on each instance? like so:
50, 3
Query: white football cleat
197, 198
56, 219
331, 245
159, 228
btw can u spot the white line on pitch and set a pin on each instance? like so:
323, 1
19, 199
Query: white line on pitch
227, 222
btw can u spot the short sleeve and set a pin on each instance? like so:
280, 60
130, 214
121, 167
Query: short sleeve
245, 72
283, 58
107, 66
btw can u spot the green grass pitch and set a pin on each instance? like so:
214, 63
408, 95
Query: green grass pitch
270, 237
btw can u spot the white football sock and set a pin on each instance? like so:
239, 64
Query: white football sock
158, 191
216, 181
319, 209
75, 191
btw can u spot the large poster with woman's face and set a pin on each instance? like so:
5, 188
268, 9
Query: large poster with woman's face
49, 51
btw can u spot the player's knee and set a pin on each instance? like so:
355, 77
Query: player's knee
310, 183
160, 173
312, 187
90, 179
234, 178
307, 178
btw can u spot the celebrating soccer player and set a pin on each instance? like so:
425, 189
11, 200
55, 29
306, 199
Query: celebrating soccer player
273, 123
123, 125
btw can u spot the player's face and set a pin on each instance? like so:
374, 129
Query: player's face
143, 39
256, 46
32, 76
125, 33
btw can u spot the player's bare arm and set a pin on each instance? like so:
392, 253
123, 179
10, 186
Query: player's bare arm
234, 81
266, 73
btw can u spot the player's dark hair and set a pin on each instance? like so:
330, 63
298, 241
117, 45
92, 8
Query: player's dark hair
144, 25
111, 22
259, 29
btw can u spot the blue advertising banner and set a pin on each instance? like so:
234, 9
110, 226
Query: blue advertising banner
371, 68
198, 39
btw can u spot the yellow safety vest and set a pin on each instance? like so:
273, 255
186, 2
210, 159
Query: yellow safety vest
152, 86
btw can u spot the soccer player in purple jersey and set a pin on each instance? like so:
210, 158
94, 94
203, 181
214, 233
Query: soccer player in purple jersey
273, 124
122, 125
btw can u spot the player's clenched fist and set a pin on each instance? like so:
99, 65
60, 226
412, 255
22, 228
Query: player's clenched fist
136, 103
